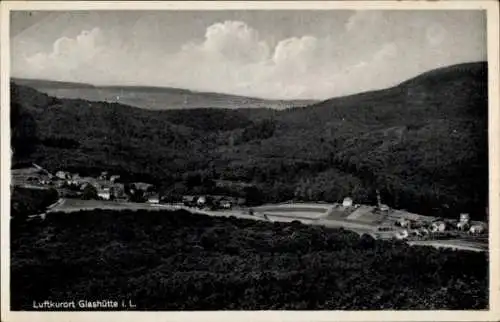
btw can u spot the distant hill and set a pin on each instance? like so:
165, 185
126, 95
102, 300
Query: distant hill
155, 98
422, 144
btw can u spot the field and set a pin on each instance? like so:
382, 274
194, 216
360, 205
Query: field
307, 211
74, 205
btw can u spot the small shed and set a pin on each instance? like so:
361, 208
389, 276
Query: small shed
384, 207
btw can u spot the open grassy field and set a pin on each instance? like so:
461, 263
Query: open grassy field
305, 211
73, 205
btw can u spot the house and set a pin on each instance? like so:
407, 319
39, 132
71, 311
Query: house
465, 218
118, 191
225, 204
104, 193
154, 199
438, 226
403, 222
347, 202
201, 201
383, 207
188, 200
477, 229
62, 175
142, 186
402, 234
103, 176
73, 182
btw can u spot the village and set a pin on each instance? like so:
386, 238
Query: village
380, 221
109, 187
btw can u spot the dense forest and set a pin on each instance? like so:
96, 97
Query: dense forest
422, 143
26, 202
182, 261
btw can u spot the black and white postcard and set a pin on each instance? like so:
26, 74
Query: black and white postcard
250, 161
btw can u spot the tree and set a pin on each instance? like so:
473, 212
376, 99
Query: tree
253, 195
89, 192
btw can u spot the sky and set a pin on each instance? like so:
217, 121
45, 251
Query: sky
271, 54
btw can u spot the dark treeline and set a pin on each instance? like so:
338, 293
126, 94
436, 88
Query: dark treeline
422, 144
182, 261
25, 202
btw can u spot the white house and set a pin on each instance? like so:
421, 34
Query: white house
465, 218
402, 234
202, 200
155, 199
477, 229
62, 175
104, 193
225, 204
347, 202
438, 226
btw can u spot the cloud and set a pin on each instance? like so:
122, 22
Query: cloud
68, 55
435, 34
363, 20
236, 41
232, 57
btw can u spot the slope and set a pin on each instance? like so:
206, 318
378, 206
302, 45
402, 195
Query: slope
154, 98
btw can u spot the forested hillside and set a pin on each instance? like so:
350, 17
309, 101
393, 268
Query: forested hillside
153, 98
423, 144
181, 261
